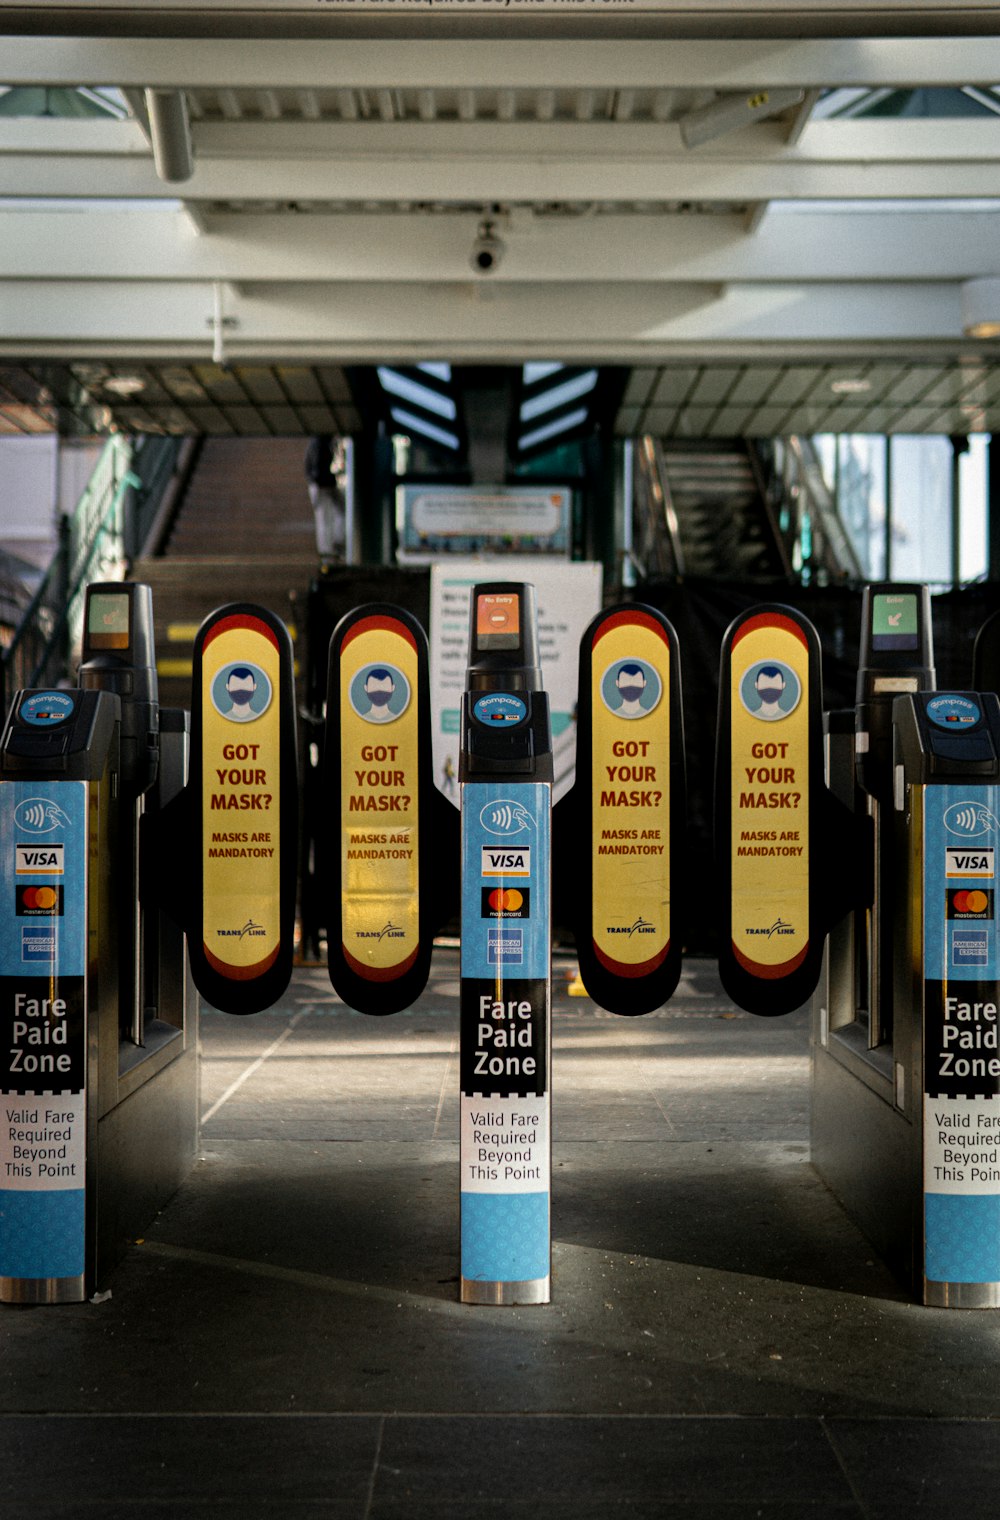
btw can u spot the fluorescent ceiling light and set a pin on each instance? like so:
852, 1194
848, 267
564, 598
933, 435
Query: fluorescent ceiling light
569, 390
421, 395
426, 429
124, 385
439, 371
848, 387
539, 371
553, 429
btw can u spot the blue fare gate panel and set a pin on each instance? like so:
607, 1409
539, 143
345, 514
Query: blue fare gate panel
505, 1127
43, 1046
961, 1055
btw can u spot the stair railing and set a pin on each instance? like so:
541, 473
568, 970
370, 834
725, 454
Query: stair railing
803, 511
91, 547
823, 546
657, 549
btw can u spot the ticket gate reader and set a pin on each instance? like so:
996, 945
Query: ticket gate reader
99, 1105
865, 1127
118, 656
505, 772
946, 766
897, 657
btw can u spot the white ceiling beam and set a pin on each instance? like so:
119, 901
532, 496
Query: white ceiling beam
519, 164
896, 140
787, 245
748, 63
373, 318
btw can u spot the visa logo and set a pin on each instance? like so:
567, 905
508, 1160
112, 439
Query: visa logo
38, 860
506, 862
969, 862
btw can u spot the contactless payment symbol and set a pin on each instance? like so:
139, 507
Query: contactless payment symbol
39, 815
505, 817
241, 692
969, 819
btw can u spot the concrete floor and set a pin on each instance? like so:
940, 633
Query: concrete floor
286, 1338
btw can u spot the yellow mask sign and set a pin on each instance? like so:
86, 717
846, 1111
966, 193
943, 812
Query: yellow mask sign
630, 805
769, 840
241, 786
379, 843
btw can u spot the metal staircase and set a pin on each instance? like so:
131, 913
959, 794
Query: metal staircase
242, 531
748, 510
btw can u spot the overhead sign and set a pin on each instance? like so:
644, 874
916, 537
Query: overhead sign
769, 779
630, 786
377, 767
244, 790
486, 519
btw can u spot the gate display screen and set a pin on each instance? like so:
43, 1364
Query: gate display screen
894, 622
498, 621
108, 620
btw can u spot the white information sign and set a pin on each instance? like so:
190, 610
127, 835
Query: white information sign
567, 596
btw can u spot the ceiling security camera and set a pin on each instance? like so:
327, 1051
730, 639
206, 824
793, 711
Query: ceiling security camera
487, 250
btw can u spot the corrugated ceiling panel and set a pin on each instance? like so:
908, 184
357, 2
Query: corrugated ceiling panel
713, 386
730, 422
640, 384
913, 382
260, 384
659, 420
766, 420
282, 420
754, 384
674, 385
627, 421
794, 384
319, 419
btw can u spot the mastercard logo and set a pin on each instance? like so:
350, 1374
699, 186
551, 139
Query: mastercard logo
974, 901
42, 899
970, 901
506, 902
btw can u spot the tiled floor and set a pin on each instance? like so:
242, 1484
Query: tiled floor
286, 1339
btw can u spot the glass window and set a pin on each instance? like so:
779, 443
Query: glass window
973, 551
921, 509
861, 491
